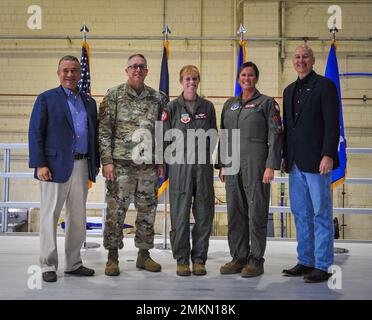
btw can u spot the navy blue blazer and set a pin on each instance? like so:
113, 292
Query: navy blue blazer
51, 135
316, 130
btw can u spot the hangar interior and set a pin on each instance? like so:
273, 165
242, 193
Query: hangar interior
203, 32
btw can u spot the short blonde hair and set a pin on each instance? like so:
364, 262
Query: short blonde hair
189, 69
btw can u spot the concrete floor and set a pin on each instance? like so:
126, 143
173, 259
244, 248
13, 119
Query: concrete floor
18, 253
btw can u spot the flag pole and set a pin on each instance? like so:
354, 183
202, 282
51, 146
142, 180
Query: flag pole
87, 245
241, 32
166, 31
333, 30
84, 29
241, 57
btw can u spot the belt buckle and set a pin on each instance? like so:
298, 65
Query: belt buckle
80, 156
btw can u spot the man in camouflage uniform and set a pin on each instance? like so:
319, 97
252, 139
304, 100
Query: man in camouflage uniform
125, 109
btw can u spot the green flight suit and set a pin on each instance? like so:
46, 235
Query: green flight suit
247, 196
191, 184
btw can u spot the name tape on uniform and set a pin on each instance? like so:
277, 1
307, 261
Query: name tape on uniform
250, 106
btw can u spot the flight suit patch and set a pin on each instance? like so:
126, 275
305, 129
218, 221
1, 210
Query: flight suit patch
276, 119
200, 116
185, 118
164, 116
250, 106
235, 106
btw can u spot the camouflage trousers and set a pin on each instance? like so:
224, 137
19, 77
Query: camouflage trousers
137, 183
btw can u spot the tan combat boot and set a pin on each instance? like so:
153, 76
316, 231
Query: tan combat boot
199, 269
183, 270
145, 262
112, 265
231, 268
254, 268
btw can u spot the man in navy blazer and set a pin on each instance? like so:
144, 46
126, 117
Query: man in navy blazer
312, 131
63, 150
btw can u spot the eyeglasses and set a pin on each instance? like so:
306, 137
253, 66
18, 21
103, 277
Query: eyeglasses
138, 66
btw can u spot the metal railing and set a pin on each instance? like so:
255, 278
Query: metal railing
6, 175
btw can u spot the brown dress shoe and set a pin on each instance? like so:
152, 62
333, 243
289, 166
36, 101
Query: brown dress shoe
231, 268
81, 271
49, 276
198, 269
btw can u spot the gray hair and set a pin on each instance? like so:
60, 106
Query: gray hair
136, 55
68, 58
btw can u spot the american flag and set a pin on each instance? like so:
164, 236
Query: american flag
84, 83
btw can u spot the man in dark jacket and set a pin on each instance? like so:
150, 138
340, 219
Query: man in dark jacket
63, 151
311, 131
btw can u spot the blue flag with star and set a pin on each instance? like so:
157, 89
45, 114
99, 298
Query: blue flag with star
241, 60
164, 92
331, 72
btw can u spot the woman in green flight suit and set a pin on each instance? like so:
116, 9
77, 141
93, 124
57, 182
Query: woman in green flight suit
248, 192
191, 182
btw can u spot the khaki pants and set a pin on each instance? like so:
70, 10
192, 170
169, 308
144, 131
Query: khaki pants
53, 196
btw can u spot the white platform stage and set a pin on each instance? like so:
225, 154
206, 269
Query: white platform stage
19, 252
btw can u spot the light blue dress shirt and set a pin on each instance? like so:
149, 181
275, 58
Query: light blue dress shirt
79, 119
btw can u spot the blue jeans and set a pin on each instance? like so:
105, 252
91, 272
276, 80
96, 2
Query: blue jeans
311, 205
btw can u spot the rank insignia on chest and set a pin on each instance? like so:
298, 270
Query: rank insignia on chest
185, 118
164, 116
200, 116
250, 106
235, 106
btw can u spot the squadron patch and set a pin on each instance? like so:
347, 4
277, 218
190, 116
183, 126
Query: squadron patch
185, 118
277, 119
200, 116
164, 116
235, 106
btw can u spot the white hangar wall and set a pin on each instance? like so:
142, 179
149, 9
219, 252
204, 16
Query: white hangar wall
29, 66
